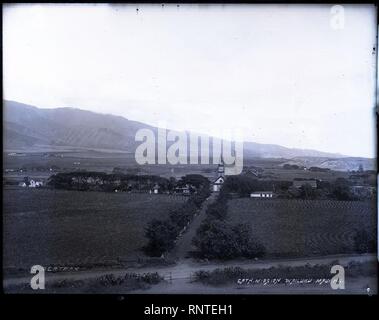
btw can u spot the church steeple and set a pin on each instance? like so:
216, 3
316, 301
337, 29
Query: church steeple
221, 168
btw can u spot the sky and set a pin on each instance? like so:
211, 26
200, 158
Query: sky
300, 76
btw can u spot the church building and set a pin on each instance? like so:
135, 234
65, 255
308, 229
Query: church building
217, 184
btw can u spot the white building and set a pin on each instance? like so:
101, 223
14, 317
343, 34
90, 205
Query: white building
35, 184
217, 184
156, 189
262, 194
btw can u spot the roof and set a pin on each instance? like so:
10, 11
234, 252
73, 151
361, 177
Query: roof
256, 192
219, 180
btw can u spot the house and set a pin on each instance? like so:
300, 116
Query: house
187, 190
35, 184
156, 189
217, 184
22, 184
184, 190
299, 183
262, 194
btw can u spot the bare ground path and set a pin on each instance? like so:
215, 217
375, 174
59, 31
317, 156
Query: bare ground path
184, 244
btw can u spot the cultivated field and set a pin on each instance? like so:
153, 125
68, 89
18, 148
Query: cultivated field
77, 228
300, 228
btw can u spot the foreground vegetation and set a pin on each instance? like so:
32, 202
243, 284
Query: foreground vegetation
241, 276
108, 283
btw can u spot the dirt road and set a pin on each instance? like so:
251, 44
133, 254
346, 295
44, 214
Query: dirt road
184, 244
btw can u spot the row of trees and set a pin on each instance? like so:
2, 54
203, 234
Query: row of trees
218, 238
339, 189
101, 181
162, 234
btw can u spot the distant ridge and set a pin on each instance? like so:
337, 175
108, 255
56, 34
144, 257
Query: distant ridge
26, 126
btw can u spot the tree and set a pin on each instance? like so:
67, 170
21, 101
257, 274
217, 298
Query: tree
218, 209
307, 192
179, 218
341, 190
218, 239
196, 180
215, 239
248, 246
160, 234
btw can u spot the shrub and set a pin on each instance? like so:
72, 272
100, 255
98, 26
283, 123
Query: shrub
248, 246
218, 210
151, 278
161, 234
218, 239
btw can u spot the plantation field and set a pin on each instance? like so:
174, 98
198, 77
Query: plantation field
77, 228
299, 228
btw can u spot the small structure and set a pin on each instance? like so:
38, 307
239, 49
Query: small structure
35, 184
262, 194
299, 183
22, 184
184, 190
187, 190
156, 189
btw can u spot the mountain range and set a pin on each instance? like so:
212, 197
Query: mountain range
27, 126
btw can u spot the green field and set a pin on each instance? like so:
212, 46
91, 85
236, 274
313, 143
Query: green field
77, 228
299, 228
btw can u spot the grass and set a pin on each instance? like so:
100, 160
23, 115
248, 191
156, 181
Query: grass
300, 228
70, 228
